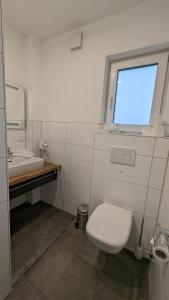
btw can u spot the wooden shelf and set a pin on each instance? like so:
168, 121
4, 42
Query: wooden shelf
19, 185
47, 168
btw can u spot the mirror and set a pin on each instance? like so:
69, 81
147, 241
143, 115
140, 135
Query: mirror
15, 106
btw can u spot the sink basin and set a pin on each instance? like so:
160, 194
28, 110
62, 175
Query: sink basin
21, 165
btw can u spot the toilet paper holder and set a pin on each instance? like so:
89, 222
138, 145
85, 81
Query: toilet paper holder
158, 230
160, 244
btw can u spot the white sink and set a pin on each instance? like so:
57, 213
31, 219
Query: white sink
20, 165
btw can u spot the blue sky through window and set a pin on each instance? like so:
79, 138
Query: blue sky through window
134, 95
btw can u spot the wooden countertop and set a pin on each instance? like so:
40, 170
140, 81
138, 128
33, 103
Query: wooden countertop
48, 167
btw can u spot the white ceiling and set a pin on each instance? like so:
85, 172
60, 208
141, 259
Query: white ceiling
46, 18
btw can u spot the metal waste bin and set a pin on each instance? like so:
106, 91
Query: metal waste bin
82, 216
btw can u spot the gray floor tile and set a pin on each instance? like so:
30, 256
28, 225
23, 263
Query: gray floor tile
72, 229
89, 252
65, 265
78, 283
104, 293
123, 274
19, 236
46, 273
23, 290
33, 240
67, 245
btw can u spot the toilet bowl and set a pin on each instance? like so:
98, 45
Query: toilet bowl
109, 227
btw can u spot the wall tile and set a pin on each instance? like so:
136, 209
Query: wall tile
135, 232
81, 156
143, 145
148, 227
157, 173
3, 181
161, 147
73, 196
78, 176
1, 77
55, 152
164, 211
121, 193
36, 130
16, 144
70, 207
138, 174
53, 192
52, 131
29, 130
29, 145
2, 134
166, 183
35, 148
81, 133
94, 202
4, 259
3, 221
152, 203
16, 135
16, 139
4, 287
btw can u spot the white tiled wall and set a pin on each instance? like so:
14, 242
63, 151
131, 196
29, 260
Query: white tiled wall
71, 145
16, 138
88, 175
121, 193
4, 203
33, 136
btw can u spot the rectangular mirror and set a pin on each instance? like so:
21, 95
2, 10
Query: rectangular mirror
15, 106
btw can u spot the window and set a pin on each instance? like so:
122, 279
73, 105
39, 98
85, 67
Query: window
136, 89
134, 97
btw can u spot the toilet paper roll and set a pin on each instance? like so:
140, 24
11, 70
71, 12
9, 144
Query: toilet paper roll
160, 249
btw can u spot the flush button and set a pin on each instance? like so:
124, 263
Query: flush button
123, 156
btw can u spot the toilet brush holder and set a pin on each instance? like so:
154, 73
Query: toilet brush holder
139, 252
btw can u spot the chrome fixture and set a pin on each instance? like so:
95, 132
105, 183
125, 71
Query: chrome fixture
10, 154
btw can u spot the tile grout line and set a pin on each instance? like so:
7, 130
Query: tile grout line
129, 182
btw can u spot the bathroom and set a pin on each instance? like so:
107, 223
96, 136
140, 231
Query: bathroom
57, 59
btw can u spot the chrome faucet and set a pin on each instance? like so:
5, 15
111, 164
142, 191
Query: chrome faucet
10, 154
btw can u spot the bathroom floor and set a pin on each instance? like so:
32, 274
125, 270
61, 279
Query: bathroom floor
67, 267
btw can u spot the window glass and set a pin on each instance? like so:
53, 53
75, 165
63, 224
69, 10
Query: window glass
134, 95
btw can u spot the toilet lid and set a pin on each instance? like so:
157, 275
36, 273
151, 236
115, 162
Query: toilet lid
110, 224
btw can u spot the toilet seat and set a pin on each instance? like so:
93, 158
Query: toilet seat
109, 227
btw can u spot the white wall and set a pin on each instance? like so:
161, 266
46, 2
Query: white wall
72, 82
33, 70
14, 56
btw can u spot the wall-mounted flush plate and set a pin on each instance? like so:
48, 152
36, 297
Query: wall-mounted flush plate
123, 156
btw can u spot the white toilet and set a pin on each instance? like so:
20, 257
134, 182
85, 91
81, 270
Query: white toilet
109, 227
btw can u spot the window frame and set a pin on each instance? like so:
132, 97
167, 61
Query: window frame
130, 61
